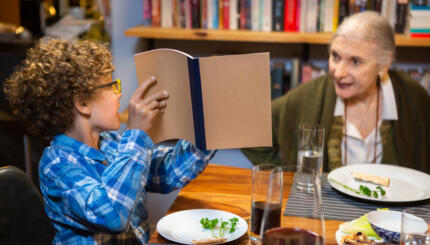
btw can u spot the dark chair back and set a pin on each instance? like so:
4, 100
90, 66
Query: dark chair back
22, 216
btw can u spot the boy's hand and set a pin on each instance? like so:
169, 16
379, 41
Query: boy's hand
143, 111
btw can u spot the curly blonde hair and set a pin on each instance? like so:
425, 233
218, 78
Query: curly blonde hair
42, 89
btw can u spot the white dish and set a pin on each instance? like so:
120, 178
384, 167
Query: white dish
406, 185
184, 226
339, 234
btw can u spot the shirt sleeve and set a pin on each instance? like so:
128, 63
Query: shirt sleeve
174, 167
94, 202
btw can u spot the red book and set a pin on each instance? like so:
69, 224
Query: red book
420, 35
226, 13
290, 15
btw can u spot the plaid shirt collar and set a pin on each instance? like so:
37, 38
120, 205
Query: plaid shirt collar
72, 144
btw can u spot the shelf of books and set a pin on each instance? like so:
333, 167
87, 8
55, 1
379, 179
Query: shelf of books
252, 36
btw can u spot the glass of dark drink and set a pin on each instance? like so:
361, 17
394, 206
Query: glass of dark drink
304, 228
266, 199
291, 236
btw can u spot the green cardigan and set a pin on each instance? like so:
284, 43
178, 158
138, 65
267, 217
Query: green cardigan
314, 102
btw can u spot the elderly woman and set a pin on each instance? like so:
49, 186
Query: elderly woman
370, 114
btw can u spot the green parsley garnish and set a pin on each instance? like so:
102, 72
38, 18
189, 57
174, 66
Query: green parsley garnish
211, 224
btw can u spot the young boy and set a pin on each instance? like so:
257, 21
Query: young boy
94, 180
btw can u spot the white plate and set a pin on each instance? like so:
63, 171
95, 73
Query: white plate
184, 226
406, 185
340, 234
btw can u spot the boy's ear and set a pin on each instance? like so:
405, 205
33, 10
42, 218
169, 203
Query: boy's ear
82, 106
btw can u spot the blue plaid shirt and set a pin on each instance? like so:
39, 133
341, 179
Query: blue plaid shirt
98, 197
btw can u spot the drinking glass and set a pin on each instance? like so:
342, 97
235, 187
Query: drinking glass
309, 230
267, 185
310, 154
415, 226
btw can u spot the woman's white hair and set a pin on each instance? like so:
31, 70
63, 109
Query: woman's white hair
372, 27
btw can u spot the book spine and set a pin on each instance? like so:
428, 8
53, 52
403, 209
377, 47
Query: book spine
147, 12
248, 14
278, 15
233, 10
181, 14
343, 10
328, 18
210, 12
290, 15
302, 12
221, 14
267, 15
166, 14
197, 102
226, 14
215, 9
335, 15
420, 35
155, 13
195, 14
401, 15
204, 14
255, 11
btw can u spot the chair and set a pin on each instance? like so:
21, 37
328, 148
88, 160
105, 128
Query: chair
22, 216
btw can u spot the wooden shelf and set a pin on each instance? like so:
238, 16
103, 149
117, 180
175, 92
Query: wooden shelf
252, 36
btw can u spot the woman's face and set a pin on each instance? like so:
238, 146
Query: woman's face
104, 106
353, 67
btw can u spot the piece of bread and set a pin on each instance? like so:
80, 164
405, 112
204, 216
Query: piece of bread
209, 241
379, 180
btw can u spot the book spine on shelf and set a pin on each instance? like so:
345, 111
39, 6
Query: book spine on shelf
181, 14
267, 15
278, 15
215, 16
210, 13
303, 12
335, 15
175, 13
226, 14
188, 15
155, 13
147, 13
290, 15
221, 14
343, 10
166, 13
329, 15
195, 14
401, 16
234, 11
255, 14
248, 19
321, 14
197, 102
312, 16
204, 14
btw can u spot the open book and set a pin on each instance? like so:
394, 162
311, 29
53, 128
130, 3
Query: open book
214, 102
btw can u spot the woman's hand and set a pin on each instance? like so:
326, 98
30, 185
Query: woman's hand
143, 111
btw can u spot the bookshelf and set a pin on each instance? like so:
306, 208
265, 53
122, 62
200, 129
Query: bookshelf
251, 36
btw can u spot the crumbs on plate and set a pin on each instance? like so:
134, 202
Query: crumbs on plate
356, 238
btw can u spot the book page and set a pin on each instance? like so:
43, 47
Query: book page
170, 68
236, 100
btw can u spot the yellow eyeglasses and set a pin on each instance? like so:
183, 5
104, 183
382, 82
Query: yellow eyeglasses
116, 85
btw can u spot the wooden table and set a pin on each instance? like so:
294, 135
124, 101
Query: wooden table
229, 189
